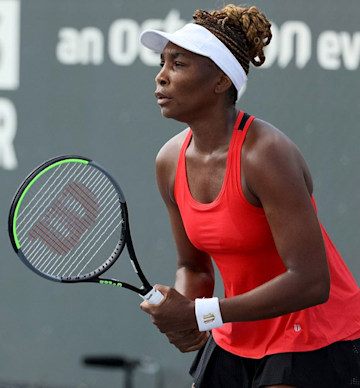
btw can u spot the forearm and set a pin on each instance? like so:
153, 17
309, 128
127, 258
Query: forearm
284, 294
194, 284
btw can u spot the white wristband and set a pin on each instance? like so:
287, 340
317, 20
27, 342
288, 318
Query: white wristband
208, 315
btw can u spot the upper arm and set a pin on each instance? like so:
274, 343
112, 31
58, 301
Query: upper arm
278, 176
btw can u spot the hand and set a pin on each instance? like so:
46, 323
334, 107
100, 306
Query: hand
174, 313
188, 340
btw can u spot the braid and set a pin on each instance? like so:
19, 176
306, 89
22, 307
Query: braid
233, 38
244, 31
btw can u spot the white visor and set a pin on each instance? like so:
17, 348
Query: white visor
199, 40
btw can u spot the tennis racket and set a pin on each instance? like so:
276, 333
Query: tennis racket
68, 222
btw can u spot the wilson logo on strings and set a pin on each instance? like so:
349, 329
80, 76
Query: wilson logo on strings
72, 213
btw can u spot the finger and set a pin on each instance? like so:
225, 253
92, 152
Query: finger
184, 334
145, 306
188, 340
193, 347
163, 289
200, 343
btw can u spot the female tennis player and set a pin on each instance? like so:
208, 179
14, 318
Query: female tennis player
238, 191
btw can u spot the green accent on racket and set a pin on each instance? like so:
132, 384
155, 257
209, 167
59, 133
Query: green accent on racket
68, 223
31, 183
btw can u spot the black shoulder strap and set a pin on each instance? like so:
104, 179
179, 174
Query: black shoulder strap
243, 121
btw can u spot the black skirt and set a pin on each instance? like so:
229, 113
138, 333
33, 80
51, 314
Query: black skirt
335, 366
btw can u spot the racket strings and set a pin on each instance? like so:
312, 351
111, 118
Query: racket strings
44, 206
61, 264
45, 200
85, 241
52, 270
82, 220
63, 227
39, 260
77, 260
39, 205
97, 250
21, 213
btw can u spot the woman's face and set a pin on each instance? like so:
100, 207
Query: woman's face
185, 85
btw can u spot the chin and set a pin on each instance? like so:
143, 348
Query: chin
167, 113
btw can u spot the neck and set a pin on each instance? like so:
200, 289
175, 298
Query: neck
213, 132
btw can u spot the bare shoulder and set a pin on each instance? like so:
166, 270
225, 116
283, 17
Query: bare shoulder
267, 150
169, 152
265, 136
166, 164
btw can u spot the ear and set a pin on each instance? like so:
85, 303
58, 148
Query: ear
224, 84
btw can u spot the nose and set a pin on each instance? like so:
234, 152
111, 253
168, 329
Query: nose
161, 78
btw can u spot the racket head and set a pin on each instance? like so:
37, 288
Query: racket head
68, 220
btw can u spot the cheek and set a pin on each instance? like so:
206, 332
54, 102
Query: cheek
198, 89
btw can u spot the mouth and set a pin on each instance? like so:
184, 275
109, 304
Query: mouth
162, 98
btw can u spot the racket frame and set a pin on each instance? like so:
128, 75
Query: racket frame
125, 239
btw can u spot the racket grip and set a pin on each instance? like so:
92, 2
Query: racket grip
153, 297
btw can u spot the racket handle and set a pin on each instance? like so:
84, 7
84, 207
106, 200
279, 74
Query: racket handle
153, 297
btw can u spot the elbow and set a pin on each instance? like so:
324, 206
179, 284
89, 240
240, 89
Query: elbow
321, 291
325, 287
323, 296
314, 289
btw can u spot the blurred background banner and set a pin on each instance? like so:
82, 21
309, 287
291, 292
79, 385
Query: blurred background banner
74, 80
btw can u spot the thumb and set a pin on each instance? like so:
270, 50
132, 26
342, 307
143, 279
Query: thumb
163, 289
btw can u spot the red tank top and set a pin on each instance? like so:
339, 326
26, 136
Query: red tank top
238, 238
